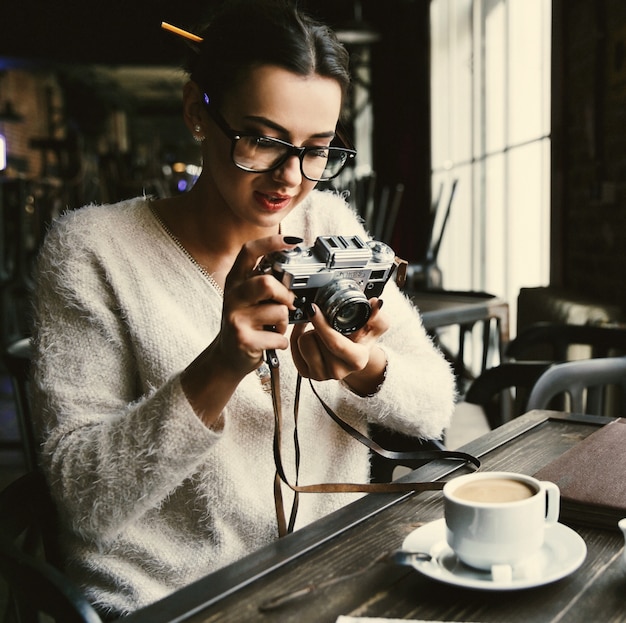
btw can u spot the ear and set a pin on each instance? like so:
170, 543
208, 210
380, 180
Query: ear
193, 108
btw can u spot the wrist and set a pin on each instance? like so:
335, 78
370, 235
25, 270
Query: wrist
368, 382
208, 385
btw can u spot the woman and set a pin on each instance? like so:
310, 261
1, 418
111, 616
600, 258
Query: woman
151, 324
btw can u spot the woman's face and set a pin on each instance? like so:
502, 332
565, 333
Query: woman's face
302, 110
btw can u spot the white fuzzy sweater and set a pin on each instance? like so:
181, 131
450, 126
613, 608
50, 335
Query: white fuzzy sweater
151, 499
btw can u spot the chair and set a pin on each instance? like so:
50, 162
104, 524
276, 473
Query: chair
585, 382
17, 359
29, 558
377, 205
502, 391
552, 341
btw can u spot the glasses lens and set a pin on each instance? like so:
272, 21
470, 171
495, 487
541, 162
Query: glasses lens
258, 153
324, 163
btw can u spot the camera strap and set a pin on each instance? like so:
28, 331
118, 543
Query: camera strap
284, 526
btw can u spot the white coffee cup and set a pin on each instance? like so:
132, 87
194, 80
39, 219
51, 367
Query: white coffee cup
496, 519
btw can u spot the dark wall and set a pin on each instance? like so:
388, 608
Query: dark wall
122, 32
401, 75
97, 31
400, 64
589, 149
588, 125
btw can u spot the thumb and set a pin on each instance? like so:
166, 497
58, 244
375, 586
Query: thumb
250, 253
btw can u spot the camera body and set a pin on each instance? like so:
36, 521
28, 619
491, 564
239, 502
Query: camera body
338, 273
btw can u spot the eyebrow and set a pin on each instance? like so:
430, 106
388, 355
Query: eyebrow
275, 126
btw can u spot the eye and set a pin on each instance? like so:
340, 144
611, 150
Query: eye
317, 152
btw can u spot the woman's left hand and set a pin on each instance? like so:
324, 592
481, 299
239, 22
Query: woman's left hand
321, 353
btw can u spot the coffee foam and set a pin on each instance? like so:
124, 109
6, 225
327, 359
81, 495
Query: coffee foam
494, 490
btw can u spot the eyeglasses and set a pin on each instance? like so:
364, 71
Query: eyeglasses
260, 154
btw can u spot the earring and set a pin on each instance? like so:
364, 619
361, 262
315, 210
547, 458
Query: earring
197, 137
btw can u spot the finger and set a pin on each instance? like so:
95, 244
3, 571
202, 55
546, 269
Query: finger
250, 337
312, 352
322, 352
345, 354
270, 317
308, 353
262, 289
332, 339
252, 251
377, 324
300, 362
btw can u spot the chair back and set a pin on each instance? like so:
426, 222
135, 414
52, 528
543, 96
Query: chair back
502, 391
555, 341
17, 359
29, 558
585, 382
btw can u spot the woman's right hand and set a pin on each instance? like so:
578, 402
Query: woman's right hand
255, 314
255, 317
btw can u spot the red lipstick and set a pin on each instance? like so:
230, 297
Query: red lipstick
272, 202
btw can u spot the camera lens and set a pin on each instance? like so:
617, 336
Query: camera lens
344, 305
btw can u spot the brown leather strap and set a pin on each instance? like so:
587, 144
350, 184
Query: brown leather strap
339, 487
419, 455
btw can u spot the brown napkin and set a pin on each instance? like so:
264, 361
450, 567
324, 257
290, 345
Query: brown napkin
592, 477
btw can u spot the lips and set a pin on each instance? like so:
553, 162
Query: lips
272, 202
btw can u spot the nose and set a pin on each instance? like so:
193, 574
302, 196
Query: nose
289, 172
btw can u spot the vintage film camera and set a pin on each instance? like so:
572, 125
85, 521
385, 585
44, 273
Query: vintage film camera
338, 273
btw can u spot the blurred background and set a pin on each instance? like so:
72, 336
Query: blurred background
491, 134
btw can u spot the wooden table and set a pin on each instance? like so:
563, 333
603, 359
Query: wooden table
444, 308
353, 537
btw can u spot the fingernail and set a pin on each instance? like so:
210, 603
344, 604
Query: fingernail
292, 240
380, 303
309, 309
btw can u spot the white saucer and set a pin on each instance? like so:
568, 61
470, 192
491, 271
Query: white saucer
561, 554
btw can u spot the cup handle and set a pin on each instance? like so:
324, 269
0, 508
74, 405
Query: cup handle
553, 501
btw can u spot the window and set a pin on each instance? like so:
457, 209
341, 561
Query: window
490, 102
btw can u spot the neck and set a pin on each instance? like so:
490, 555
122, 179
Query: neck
212, 236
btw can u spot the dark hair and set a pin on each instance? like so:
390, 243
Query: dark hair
244, 34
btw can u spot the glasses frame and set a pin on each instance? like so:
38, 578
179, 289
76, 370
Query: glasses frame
292, 150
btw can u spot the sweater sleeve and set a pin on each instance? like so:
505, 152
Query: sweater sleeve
110, 449
418, 395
